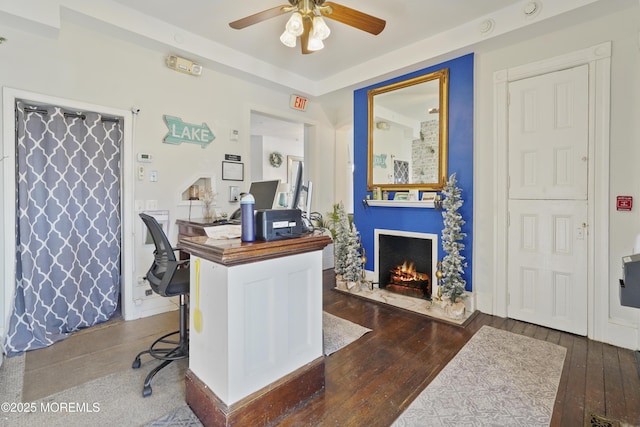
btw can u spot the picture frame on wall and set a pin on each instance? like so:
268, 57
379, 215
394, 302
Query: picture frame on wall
232, 171
292, 168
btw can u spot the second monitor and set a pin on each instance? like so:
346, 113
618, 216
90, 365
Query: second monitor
264, 192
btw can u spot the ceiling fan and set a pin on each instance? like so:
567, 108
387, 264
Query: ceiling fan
306, 22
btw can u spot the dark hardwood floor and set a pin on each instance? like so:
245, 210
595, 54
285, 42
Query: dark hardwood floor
371, 381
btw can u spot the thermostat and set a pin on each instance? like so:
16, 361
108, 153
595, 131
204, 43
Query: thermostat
145, 157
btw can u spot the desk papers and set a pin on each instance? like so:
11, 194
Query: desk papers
223, 232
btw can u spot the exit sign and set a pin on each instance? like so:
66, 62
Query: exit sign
297, 102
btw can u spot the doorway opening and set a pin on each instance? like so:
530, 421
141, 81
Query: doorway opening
9, 188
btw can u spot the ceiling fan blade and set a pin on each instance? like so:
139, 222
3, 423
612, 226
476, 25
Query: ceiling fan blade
259, 17
354, 18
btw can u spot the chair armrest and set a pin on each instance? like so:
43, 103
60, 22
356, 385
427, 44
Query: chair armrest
181, 262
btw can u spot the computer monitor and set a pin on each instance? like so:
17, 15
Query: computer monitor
300, 188
297, 188
264, 192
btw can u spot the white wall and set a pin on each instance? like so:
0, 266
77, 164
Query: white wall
81, 64
622, 29
344, 167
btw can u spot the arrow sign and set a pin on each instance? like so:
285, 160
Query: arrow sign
180, 132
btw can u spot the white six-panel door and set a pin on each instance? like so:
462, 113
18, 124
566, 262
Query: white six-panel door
548, 177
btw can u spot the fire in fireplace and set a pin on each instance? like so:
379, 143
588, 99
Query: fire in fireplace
406, 280
405, 261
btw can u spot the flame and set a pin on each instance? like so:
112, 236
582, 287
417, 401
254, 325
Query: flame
407, 271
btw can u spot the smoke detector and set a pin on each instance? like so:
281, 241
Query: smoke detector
486, 26
531, 8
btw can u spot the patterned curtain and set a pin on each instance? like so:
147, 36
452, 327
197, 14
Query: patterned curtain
67, 225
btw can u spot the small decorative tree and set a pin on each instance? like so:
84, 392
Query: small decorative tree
339, 227
453, 263
352, 256
346, 245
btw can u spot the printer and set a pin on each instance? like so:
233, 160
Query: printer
278, 224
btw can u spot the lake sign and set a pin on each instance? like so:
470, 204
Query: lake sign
180, 132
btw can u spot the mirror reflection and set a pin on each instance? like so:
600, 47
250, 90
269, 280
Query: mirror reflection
408, 134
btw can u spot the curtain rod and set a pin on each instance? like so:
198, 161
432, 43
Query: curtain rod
31, 109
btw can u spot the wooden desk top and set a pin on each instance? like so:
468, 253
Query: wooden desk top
196, 222
234, 251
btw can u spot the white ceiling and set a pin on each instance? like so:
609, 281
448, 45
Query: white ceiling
408, 21
416, 31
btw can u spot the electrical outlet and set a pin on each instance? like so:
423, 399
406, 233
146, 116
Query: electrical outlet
148, 293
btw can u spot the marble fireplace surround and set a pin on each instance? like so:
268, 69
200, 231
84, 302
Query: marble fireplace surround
416, 305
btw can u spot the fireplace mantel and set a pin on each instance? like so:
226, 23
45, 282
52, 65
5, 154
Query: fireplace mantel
401, 203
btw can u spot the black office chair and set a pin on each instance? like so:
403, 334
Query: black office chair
168, 277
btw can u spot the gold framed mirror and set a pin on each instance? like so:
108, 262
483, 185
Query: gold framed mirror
408, 134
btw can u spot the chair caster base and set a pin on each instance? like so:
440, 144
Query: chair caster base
146, 391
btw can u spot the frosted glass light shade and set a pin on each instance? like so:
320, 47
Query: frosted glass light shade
288, 39
320, 29
294, 24
315, 44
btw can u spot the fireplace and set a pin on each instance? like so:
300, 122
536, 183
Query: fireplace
405, 261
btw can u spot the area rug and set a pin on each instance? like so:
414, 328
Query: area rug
117, 399
339, 332
497, 379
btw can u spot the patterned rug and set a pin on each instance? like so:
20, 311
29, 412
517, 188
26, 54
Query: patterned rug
116, 399
339, 332
497, 379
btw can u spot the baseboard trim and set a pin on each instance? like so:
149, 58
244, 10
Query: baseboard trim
265, 407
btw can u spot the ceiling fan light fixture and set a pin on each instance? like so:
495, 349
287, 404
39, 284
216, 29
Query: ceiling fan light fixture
294, 24
288, 39
320, 29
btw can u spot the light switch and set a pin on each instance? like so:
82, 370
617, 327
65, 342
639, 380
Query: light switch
153, 176
140, 173
139, 205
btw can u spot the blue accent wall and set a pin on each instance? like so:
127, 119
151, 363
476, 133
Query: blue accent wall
460, 161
